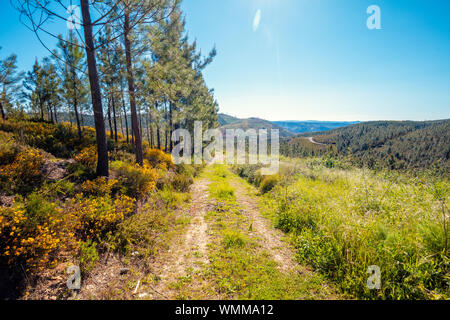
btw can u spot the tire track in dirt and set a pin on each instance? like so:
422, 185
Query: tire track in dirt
187, 252
273, 242
270, 238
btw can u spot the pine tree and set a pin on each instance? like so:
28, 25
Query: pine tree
51, 90
34, 83
9, 79
175, 81
71, 64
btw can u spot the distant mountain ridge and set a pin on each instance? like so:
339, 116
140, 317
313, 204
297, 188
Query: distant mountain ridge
287, 128
228, 122
312, 125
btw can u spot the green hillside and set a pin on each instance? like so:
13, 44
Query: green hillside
405, 144
292, 126
225, 119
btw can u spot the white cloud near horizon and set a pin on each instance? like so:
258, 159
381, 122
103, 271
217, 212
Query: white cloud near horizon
257, 20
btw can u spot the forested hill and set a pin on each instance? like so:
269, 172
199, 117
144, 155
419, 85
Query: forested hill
229, 122
225, 119
396, 144
287, 128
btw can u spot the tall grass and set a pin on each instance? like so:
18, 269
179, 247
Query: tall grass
343, 221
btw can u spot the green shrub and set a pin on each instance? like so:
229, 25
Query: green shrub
88, 256
222, 191
249, 172
171, 199
221, 172
62, 188
329, 162
182, 182
139, 231
233, 239
268, 183
9, 149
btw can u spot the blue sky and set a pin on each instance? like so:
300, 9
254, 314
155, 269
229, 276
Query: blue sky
310, 59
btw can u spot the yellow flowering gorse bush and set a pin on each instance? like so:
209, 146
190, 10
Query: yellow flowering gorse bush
158, 159
99, 186
136, 181
95, 217
31, 244
23, 174
87, 157
44, 221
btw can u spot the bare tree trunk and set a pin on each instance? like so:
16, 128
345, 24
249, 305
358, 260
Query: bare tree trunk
56, 113
75, 103
131, 92
102, 163
140, 123
148, 131
113, 105
122, 131
70, 117
166, 125
50, 112
111, 133
158, 136
132, 134
170, 126
42, 111
2, 111
166, 129
151, 133
124, 111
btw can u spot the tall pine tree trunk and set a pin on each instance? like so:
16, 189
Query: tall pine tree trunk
131, 92
50, 112
102, 148
148, 132
166, 131
158, 136
75, 103
42, 110
151, 132
70, 117
170, 126
2, 111
124, 111
140, 124
111, 133
122, 130
56, 113
113, 105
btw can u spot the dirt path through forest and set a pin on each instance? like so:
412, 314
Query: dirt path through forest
184, 271
188, 252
